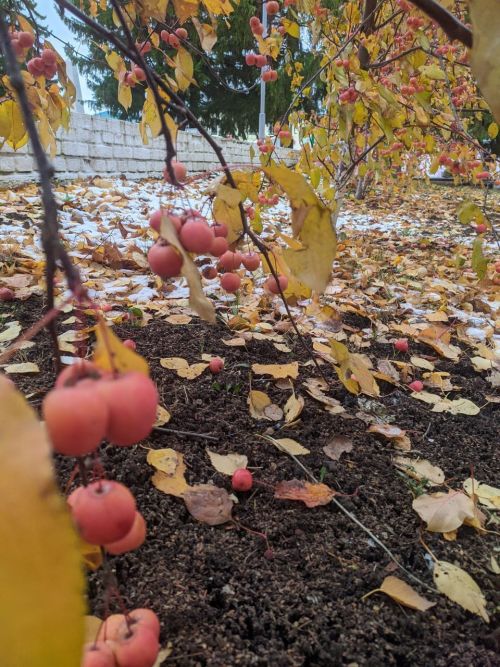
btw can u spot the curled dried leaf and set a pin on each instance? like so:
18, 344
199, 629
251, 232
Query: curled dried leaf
209, 504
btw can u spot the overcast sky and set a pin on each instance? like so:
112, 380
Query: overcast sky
61, 31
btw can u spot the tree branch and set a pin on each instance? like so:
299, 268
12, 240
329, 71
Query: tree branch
454, 28
51, 242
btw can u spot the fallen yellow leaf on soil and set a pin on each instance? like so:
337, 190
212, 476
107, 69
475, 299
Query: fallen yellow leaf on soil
400, 591
183, 368
293, 408
277, 370
110, 354
311, 495
315, 388
26, 367
445, 512
43, 548
420, 469
227, 463
163, 416
170, 470
209, 504
178, 319
258, 401
288, 445
460, 587
487, 495
353, 370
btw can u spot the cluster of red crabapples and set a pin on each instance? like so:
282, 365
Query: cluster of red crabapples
257, 28
85, 407
43, 65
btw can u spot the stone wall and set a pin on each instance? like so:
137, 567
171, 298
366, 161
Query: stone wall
105, 146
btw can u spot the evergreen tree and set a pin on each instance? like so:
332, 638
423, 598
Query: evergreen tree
226, 97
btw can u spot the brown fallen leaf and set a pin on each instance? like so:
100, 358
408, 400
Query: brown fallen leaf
400, 591
311, 495
209, 504
277, 370
178, 319
397, 435
235, 342
337, 446
316, 387
170, 470
227, 463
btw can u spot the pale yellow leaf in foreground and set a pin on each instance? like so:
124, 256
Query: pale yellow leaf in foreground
227, 463
26, 367
460, 587
12, 331
400, 591
39, 547
277, 370
487, 495
420, 469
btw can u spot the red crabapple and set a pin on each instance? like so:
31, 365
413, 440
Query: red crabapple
220, 229
164, 260
76, 419
416, 385
180, 172
139, 73
250, 59
242, 480
143, 47
272, 285
98, 654
164, 35
6, 294
210, 272
483, 175
216, 365
481, 228
272, 7
251, 261
26, 40
196, 236
219, 246
174, 41
49, 57
104, 511
81, 369
401, 345
136, 646
110, 626
181, 33
132, 540
231, 260
230, 282
35, 67
260, 60
132, 401
130, 344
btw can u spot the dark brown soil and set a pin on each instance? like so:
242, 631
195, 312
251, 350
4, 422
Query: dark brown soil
220, 600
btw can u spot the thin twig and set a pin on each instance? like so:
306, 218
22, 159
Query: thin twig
203, 436
454, 28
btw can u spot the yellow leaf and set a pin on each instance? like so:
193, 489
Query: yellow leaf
293, 408
485, 58
460, 587
487, 495
258, 401
183, 68
277, 370
112, 355
312, 264
206, 33
39, 547
12, 331
91, 555
12, 127
185, 9
170, 469
289, 446
124, 95
420, 469
291, 27
197, 299
400, 591
433, 72
226, 210
353, 371
492, 130
226, 464
444, 512
26, 367
163, 416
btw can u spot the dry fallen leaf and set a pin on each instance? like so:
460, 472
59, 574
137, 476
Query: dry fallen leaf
183, 368
337, 446
393, 433
487, 495
400, 591
316, 387
227, 463
444, 512
460, 587
422, 363
170, 469
163, 416
288, 445
235, 342
258, 401
311, 495
209, 504
293, 408
420, 469
110, 354
26, 367
277, 370
12, 331
178, 319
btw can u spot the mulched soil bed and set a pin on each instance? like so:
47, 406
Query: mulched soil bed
220, 600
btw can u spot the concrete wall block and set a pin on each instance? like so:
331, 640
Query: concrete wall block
107, 137
24, 163
102, 151
73, 164
7, 163
74, 148
121, 151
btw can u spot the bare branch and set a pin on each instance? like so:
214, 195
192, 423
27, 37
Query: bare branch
454, 28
